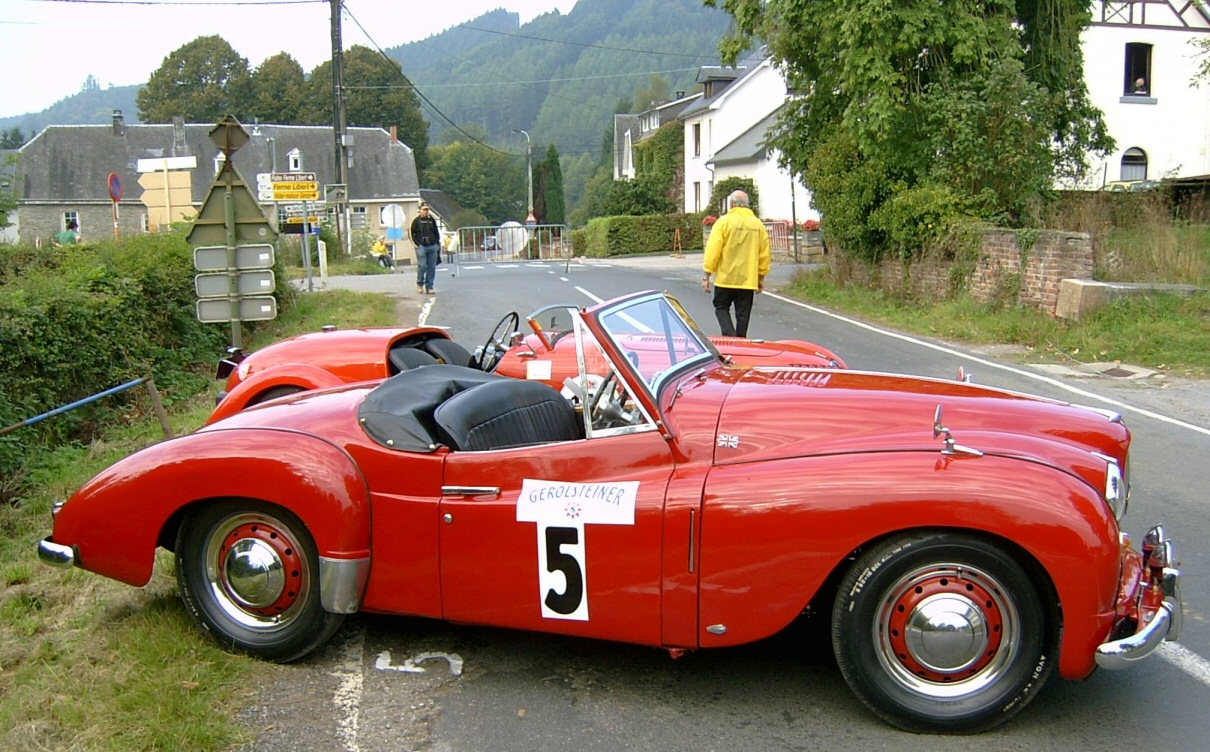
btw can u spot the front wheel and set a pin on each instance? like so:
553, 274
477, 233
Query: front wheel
942, 632
249, 576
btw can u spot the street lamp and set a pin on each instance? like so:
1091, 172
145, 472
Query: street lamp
529, 171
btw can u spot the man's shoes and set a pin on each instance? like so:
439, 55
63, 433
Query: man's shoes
430, 291
420, 289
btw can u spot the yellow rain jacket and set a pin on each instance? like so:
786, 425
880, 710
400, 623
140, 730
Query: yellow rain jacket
738, 252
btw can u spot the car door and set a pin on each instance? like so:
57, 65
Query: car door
561, 537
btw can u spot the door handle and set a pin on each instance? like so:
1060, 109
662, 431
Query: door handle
470, 490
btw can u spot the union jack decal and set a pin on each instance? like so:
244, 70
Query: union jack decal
731, 441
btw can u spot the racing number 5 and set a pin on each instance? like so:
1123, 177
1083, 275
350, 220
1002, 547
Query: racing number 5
557, 560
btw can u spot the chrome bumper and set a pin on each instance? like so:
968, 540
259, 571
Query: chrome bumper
1165, 624
56, 554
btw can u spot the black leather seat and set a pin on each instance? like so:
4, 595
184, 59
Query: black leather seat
504, 414
449, 351
405, 358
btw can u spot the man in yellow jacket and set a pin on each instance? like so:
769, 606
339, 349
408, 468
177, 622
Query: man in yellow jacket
739, 257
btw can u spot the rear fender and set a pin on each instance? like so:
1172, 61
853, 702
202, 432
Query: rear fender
299, 375
116, 521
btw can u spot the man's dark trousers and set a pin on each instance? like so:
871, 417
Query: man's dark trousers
724, 298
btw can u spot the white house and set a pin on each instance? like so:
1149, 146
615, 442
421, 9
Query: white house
1162, 127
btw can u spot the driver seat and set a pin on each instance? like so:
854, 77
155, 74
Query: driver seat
449, 351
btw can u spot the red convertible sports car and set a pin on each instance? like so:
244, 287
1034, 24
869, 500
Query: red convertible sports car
963, 540
342, 356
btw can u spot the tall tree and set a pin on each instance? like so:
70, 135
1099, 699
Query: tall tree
378, 95
279, 90
203, 80
550, 204
914, 108
12, 138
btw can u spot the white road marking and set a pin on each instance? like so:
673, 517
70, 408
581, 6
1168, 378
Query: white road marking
1186, 660
410, 666
425, 309
992, 364
347, 696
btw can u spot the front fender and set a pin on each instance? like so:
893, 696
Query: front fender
301, 375
773, 532
114, 523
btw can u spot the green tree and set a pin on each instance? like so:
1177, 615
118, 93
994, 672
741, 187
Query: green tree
8, 196
12, 138
279, 90
203, 80
980, 102
480, 177
550, 204
378, 95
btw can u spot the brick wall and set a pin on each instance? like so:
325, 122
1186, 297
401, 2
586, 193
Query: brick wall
1009, 268
42, 222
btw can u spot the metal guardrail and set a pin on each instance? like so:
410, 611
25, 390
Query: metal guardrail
509, 242
156, 404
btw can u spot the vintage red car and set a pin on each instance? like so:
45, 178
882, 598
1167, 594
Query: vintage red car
964, 541
342, 356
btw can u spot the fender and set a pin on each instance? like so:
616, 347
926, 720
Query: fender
116, 521
759, 587
301, 375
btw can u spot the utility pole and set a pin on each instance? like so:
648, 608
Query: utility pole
339, 122
529, 172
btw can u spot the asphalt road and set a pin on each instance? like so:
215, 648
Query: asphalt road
392, 683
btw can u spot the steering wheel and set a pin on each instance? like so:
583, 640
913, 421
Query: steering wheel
493, 350
605, 405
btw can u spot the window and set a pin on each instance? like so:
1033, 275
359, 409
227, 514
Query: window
1137, 79
70, 217
697, 139
1134, 164
697, 197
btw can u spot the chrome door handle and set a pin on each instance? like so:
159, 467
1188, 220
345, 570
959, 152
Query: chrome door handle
470, 490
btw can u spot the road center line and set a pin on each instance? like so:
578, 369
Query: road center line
347, 696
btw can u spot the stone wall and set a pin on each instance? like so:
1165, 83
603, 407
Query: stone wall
1011, 266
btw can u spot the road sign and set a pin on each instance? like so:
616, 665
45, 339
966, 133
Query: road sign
115, 187
300, 191
248, 282
336, 193
213, 258
160, 164
292, 177
393, 215
254, 308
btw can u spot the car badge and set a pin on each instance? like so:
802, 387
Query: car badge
730, 441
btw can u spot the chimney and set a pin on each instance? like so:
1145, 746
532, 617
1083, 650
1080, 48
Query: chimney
394, 134
680, 95
179, 145
119, 123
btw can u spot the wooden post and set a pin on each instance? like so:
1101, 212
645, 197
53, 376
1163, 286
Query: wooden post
158, 406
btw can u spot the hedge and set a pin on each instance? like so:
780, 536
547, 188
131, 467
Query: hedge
627, 236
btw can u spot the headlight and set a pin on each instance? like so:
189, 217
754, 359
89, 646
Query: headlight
1117, 488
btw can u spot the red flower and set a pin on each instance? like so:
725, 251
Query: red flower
811, 225
709, 220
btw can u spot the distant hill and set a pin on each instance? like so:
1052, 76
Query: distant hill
559, 77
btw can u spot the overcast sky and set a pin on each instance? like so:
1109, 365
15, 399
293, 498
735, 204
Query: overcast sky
49, 47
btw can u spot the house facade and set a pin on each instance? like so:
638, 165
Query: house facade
63, 174
1139, 64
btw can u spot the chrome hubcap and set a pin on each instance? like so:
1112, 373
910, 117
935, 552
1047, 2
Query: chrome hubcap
946, 630
256, 572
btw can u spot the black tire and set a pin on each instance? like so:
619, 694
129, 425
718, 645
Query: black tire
270, 607
942, 632
274, 393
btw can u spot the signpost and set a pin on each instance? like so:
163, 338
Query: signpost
234, 244
115, 194
294, 186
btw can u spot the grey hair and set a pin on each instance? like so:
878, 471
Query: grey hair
738, 198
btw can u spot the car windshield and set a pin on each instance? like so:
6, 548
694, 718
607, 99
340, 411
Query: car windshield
656, 335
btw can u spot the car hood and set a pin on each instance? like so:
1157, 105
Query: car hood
771, 413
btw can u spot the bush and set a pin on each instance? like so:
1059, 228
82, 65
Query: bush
724, 188
918, 218
77, 321
626, 236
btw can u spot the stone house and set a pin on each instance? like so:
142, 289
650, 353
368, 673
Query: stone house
63, 174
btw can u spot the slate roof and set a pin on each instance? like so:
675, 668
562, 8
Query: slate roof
71, 163
749, 146
443, 206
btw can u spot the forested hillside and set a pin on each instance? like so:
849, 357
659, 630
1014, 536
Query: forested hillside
559, 77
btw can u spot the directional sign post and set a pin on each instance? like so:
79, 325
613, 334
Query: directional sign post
294, 186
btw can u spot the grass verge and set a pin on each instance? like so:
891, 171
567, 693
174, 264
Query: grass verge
88, 663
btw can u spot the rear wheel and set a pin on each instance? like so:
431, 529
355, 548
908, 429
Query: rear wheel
249, 576
941, 632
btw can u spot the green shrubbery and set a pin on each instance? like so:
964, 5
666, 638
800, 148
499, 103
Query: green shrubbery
627, 236
79, 320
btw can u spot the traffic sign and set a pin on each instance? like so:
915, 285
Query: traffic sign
292, 177
300, 191
254, 308
249, 282
393, 215
336, 193
115, 187
213, 258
